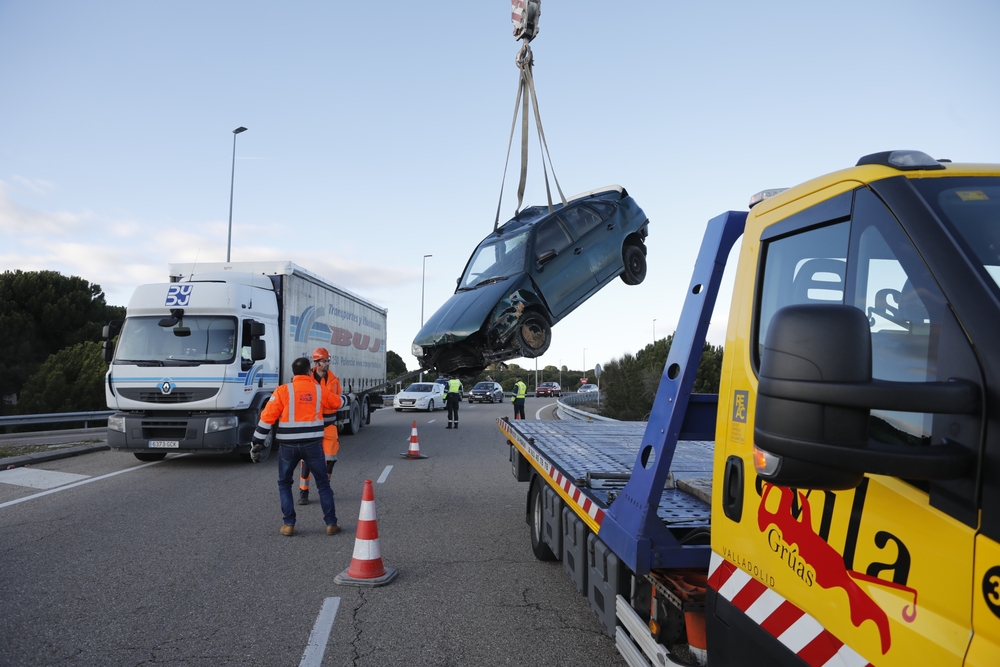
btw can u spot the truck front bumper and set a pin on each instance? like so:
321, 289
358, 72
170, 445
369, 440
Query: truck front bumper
172, 432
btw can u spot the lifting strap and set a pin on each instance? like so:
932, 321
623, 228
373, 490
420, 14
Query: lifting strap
526, 97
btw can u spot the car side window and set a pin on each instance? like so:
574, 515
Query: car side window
550, 237
580, 219
604, 209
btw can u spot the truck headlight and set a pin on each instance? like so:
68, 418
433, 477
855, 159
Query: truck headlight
214, 424
116, 424
416, 350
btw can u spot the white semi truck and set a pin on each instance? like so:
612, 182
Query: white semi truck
197, 357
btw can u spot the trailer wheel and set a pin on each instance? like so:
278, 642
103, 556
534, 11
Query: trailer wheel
353, 424
150, 456
538, 545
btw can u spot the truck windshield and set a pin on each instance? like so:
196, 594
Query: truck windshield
971, 205
494, 260
194, 340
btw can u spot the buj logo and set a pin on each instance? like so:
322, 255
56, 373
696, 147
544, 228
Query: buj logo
178, 296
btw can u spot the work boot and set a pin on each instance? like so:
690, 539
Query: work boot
304, 497
448, 426
332, 530
287, 530
456, 424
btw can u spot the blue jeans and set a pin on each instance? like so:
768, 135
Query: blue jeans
310, 452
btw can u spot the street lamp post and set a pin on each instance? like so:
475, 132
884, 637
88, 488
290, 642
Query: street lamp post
423, 273
654, 331
560, 374
585, 361
232, 182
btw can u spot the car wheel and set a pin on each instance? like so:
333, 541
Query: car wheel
534, 334
151, 456
399, 409
430, 406
635, 265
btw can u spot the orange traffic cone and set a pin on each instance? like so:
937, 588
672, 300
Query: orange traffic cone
366, 565
414, 452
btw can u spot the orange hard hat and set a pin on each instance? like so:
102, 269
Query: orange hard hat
320, 353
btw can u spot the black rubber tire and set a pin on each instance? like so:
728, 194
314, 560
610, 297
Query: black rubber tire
150, 456
353, 424
635, 265
534, 335
398, 409
268, 445
535, 508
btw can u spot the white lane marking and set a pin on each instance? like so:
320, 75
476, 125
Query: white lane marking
538, 414
384, 475
39, 479
316, 647
431, 421
86, 481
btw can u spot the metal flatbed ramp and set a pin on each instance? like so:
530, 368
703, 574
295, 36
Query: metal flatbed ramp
596, 458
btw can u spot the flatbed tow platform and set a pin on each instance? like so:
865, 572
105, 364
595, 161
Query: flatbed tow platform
590, 463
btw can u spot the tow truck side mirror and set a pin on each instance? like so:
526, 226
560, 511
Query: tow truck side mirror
107, 350
258, 349
815, 397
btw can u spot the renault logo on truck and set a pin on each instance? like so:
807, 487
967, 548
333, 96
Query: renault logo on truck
165, 387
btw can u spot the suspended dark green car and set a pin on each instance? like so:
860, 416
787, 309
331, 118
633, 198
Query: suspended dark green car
529, 274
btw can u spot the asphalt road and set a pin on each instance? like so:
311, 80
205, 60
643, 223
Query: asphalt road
180, 562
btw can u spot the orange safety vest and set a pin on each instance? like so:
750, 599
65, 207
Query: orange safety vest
298, 407
331, 437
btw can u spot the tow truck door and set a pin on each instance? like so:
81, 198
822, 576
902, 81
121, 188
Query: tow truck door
880, 573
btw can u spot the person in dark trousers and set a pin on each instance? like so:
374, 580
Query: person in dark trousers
452, 399
520, 391
298, 407
330, 383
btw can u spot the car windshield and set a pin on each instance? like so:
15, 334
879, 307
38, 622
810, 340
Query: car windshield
972, 206
191, 341
496, 258
484, 385
420, 388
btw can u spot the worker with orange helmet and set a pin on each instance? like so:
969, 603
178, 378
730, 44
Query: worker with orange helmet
325, 378
298, 408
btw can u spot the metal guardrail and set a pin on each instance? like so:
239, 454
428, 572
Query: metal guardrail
57, 417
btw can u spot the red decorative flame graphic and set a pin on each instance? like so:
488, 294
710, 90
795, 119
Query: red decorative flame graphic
829, 565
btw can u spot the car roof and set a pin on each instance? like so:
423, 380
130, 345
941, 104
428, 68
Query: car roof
532, 215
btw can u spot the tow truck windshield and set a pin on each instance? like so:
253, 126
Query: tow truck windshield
192, 341
971, 205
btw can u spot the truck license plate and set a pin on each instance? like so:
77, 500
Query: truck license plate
164, 444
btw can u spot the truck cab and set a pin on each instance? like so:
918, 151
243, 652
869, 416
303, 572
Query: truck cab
190, 371
856, 497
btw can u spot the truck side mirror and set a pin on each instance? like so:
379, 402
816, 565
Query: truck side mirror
256, 329
258, 349
107, 350
815, 397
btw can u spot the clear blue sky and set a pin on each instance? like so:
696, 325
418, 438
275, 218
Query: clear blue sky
378, 130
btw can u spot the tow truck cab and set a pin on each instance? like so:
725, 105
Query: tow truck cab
856, 478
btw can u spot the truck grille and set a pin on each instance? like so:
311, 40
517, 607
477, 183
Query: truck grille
166, 430
177, 396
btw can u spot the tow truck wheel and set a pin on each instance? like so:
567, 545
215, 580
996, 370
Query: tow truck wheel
538, 546
635, 265
150, 456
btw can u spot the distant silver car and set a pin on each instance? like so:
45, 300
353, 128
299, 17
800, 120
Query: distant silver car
587, 389
427, 396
